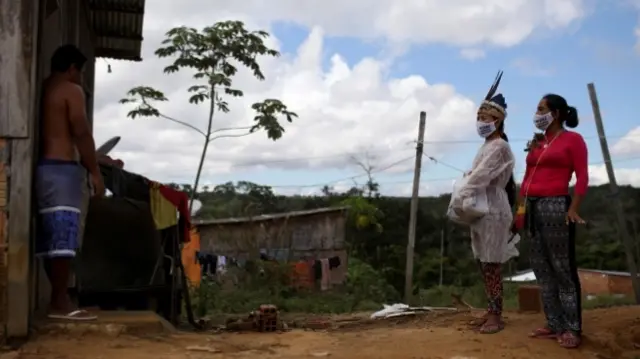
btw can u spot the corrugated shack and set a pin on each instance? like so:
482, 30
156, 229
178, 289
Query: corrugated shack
308, 236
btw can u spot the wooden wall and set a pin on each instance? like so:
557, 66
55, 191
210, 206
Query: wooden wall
321, 231
291, 238
18, 54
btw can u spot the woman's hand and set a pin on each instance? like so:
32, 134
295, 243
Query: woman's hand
574, 217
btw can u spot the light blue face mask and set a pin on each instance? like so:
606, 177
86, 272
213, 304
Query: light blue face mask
485, 129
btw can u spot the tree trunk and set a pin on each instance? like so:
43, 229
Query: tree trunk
207, 138
200, 165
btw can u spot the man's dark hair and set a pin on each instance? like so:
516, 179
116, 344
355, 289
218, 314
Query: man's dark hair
66, 56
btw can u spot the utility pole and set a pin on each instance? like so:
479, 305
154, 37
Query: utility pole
441, 256
408, 279
623, 230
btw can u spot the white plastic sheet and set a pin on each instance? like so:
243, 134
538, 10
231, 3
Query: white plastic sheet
390, 310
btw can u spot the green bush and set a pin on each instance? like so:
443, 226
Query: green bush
364, 290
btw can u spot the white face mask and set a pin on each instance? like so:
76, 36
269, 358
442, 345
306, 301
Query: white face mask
485, 129
543, 122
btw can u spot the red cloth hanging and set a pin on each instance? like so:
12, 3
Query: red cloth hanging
181, 201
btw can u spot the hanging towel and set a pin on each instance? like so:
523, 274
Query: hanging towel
325, 281
181, 201
164, 212
221, 266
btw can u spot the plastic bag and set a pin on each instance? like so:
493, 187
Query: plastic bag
390, 310
469, 209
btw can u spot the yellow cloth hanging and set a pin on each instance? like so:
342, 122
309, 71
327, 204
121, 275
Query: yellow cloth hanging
164, 212
192, 268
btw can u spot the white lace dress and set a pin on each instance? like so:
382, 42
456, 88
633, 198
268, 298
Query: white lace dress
492, 167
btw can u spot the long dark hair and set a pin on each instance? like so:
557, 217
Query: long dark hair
568, 115
511, 185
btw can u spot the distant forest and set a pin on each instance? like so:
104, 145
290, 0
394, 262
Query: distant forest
377, 234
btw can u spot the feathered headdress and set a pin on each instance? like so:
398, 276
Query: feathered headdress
493, 101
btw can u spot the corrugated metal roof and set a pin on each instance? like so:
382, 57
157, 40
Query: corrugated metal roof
266, 217
527, 275
117, 25
607, 272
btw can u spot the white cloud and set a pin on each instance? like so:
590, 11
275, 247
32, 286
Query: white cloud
629, 144
342, 107
473, 54
461, 22
624, 176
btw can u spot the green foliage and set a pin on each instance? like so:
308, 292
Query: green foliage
364, 290
363, 214
377, 251
213, 54
366, 284
598, 246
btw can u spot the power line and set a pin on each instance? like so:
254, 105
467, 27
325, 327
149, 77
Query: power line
448, 142
306, 158
439, 162
426, 180
380, 150
385, 168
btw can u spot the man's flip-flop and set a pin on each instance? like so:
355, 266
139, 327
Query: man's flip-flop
76, 315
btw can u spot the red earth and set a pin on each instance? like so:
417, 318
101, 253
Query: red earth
609, 333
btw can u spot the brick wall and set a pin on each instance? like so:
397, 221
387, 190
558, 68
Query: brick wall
593, 283
620, 285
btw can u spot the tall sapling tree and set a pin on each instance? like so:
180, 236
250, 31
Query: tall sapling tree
213, 54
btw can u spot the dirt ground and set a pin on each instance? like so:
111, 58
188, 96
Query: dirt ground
609, 333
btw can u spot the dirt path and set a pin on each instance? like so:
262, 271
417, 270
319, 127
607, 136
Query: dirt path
610, 333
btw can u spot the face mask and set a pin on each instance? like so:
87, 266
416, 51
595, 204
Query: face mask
543, 122
485, 129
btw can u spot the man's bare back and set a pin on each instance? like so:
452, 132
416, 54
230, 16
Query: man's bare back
59, 98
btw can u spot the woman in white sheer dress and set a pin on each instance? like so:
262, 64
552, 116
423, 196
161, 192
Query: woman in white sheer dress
492, 171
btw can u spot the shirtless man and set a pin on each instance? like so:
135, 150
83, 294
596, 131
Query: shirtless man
60, 178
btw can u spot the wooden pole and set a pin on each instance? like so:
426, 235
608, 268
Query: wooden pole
441, 256
408, 282
623, 230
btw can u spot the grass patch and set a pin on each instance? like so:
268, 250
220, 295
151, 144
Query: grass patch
364, 290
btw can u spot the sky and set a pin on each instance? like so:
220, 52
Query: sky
358, 74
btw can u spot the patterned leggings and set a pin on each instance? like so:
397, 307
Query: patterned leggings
553, 260
492, 275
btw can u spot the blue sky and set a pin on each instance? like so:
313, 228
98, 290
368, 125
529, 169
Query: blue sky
599, 50
598, 47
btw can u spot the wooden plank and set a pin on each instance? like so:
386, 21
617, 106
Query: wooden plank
15, 22
20, 181
3, 241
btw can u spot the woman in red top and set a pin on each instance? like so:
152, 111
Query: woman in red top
551, 216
